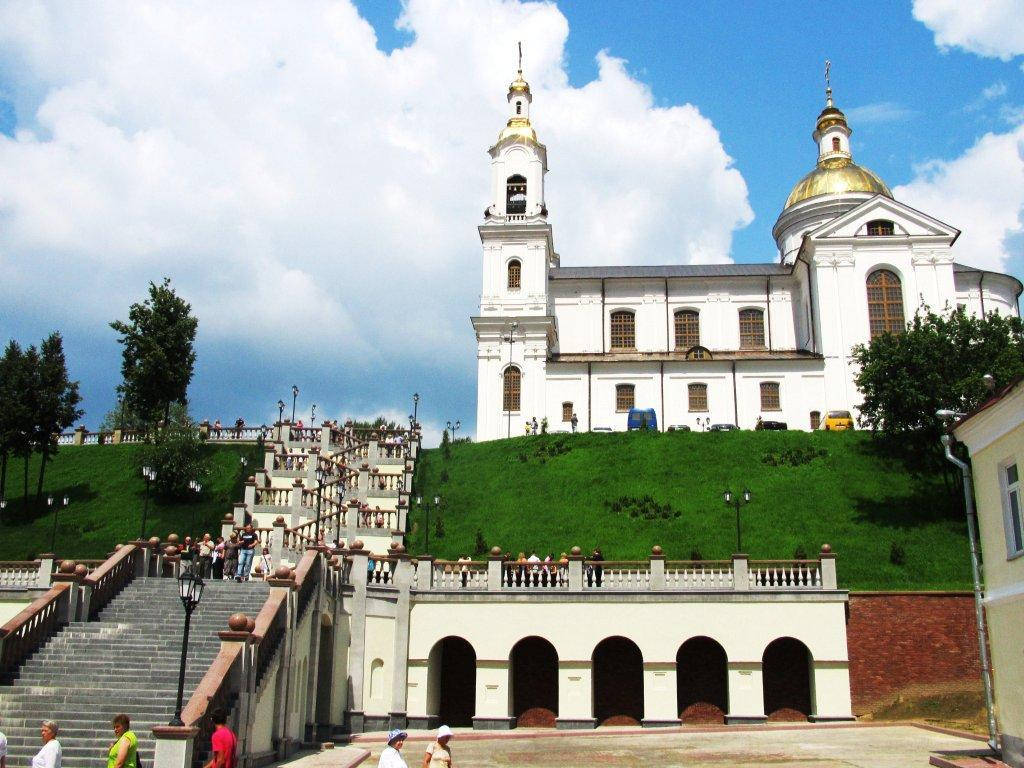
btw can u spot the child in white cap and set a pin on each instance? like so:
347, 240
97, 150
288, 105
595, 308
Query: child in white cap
438, 753
391, 757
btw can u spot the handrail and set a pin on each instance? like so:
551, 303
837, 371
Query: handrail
269, 630
30, 628
111, 577
306, 579
212, 684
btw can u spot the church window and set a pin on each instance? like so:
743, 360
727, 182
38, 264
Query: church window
698, 353
687, 328
623, 330
515, 275
566, 411
770, 396
513, 388
751, 329
519, 107
881, 227
697, 395
835, 144
623, 397
815, 420
515, 199
885, 303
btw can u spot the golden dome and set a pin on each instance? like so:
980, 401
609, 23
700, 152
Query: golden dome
518, 128
519, 85
833, 177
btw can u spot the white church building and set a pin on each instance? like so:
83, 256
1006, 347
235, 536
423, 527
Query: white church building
720, 343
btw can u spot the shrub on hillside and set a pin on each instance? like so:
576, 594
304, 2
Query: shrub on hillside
644, 506
479, 545
793, 457
178, 458
897, 554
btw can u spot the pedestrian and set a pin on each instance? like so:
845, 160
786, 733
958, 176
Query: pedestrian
222, 742
49, 755
188, 553
3, 750
536, 427
123, 753
574, 421
464, 563
527, 426
206, 549
217, 428
391, 757
239, 426
438, 753
266, 563
218, 558
534, 572
246, 550
597, 557
231, 556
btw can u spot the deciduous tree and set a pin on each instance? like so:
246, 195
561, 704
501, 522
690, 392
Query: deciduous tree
56, 402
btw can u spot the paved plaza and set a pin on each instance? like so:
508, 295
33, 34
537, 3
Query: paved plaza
897, 746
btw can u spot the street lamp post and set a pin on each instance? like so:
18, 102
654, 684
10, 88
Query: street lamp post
3, 507
295, 396
437, 505
61, 502
312, 416
512, 330
736, 503
280, 411
197, 488
190, 589
415, 406
321, 476
149, 475
453, 428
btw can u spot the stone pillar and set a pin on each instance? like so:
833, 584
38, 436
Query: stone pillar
285, 684
238, 513
828, 568
45, 571
660, 694
117, 437
312, 461
173, 746
575, 695
357, 649
493, 695
494, 563
277, 540
227, 526
296, 502
403, 515
268, 459
204, 430
69, 607
830, 691
249, 497
79, 438
408, 477
152, 557
285, 434
657, 569
746, 692
425, 573
576, 570
740, 573
400, 677
364, 481
351, 520
239, 633
325, 439
373, 450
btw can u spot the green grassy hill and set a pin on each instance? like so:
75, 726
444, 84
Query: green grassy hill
107, 496
555, 491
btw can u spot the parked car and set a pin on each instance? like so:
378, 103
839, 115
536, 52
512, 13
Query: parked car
771, 425
679, 428
837, 421
642, 418
601, 429
722, 427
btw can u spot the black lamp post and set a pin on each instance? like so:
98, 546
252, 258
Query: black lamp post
737, 502
62, 502
3, 507
453, 428
415, 406
321, 476
295, 396
312, 416
149, 475
280, 411
190, 589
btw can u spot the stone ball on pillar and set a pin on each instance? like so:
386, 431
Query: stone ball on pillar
656, 550
250, 623
81, 570
575, 551
357, 544
154, 542
67, 566
237, 622
393, 546
117, 547
495, 551
282, 572
826, 548
170, 550
400, 549
279, 520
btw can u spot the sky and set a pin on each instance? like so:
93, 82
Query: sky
310, 175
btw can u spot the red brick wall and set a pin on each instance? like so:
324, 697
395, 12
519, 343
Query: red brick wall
904, 640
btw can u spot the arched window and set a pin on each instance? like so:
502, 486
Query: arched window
687, 328
815, 420
566, 411
515, 275
835, 144
881, 227
698, 353
512, 388
623, 330
770, 396
751, 329
623, 398
885, 303
697, 396
519, 107
515, 194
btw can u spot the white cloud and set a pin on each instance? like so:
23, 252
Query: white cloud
981, 192
282, 169
991, 28
994, 91
879, 112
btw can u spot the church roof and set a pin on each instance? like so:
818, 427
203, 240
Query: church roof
670, 270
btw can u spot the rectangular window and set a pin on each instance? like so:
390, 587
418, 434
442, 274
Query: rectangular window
1012, 502
623, 397
566, 411
623, 329
751, 329
512, 389
697, 395
770, 396
687, 329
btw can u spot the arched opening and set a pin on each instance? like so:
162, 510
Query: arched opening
880, 228
885, 303
534, 683
786, 672
835, 144
702, 686
325, 672
451, 682
519, 107
618, 670
698, 353
515, 275
377, 679
515, 194
511, 388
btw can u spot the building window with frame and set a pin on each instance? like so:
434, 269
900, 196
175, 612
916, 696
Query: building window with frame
751, 329
687, 328
770, 396
836, 146
815, 420
623, 330
1012, 504
513, 382
880, 228
885, 303
623, 397
515, 275
515, 194
566, 411
697, 397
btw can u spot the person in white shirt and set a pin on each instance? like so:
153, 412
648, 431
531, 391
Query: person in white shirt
49, 755
3, 750
439, 754
391, 757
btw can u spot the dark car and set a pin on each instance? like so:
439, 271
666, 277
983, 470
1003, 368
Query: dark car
772, 425
722, 427
679, 428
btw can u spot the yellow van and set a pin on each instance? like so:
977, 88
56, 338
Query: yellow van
838, 420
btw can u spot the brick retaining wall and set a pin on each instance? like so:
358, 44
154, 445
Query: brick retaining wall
910, 640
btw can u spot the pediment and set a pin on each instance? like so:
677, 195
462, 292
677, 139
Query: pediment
907, 221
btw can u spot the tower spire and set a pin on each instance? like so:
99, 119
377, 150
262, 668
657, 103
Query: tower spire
828, 84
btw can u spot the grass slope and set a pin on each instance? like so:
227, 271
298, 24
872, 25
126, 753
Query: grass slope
552, 492
107, 495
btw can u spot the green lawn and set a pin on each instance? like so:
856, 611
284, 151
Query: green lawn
553, 491
106, 501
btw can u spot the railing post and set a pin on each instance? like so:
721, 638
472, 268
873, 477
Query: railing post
285, 434
312, 460
414, 444
325, 439
740, 573
70, 606
239, 632
45, 571
364, 481
351, 520
403, 515
268, 458
173, 746
425, 573
151, 557
408, 476
357, 648
227, 526
494, 564
204, 429
277, 540
239, 512
118, 436
576, 569
657, 568
373, 452
296, 502
79, 438
828, 568
249, 496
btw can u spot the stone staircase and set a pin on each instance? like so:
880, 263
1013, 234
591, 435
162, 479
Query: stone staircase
126, 661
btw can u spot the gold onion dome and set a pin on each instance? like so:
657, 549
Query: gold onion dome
518, 126
519, 85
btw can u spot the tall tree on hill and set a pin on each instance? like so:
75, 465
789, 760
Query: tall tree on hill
938, 362
13, 415
56, 402
158, 353
27, 412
